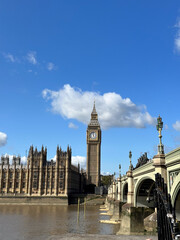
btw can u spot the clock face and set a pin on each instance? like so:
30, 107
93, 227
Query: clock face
93, 135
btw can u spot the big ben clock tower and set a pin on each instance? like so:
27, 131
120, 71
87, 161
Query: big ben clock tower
93, 150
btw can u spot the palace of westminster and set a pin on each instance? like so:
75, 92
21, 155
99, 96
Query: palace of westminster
40, 177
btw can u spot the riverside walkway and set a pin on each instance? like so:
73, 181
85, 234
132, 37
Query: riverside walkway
102, 237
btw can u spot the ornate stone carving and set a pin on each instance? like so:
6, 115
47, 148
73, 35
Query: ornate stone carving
142, 160
172, 177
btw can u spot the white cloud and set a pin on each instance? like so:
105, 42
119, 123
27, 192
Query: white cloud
75, 160
51, 66
23, 159
113, 110
9, 57
177, 38
10, 157
3, 139
72, 125
79, 159
31, 57
176, 125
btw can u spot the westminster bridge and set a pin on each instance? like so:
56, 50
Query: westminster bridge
137, 186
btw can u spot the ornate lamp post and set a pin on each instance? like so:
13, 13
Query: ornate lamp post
119, 184
119, 171
159, 159
130, 166
159, 127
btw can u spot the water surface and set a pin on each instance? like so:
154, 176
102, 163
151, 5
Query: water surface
43, 222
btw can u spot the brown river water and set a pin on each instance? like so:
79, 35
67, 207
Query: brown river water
43, 222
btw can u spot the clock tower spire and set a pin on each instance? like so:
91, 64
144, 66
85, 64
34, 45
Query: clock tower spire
94, 117
93, 149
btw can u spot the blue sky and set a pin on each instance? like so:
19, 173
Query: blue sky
56, 57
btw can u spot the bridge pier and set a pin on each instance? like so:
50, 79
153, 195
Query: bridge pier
129, 224
117, 210
110, 206
127, 216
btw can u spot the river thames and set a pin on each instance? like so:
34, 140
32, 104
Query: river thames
43, 222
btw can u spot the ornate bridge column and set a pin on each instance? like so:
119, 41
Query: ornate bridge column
130, 195
114, 190
119, 189
160, 165
111, 190
159, 159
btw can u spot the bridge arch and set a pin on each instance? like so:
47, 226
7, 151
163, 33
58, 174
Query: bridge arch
175, 189
143, 191
175, 196
124, 191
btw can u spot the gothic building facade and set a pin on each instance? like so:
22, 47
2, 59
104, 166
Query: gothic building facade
40, 177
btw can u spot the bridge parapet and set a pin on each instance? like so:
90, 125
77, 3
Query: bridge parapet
144, 169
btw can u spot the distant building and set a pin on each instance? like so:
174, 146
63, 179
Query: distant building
40, 177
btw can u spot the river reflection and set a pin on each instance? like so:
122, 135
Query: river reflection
42, 222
